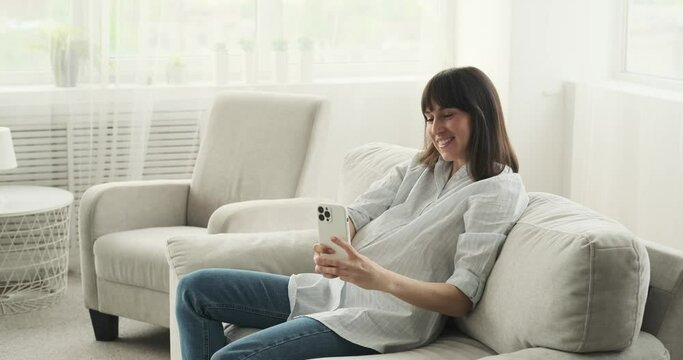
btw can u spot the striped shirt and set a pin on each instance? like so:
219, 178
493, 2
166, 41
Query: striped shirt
420, 223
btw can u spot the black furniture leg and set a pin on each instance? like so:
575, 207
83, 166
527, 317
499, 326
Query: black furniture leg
106, 326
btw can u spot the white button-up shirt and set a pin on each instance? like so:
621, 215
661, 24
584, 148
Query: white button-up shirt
420, 223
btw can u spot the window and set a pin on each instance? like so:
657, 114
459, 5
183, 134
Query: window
137, 41
654, 39
24, 33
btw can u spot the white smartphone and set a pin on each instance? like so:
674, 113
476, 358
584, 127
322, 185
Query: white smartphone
332, 220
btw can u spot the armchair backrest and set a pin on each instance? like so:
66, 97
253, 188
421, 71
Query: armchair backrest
254, 147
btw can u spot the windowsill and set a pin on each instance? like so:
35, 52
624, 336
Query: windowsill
37, 96
15, 89
643, 90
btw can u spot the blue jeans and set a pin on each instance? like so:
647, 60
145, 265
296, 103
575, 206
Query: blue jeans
208, 297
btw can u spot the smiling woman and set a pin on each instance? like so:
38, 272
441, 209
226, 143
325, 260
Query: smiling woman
423, 240
464, 123
449, 132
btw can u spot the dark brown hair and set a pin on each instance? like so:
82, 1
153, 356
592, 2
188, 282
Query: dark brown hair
470, 90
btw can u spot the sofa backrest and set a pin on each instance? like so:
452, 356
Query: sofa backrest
664, 307
367, 163
254, 147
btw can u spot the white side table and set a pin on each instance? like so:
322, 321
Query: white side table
34, 246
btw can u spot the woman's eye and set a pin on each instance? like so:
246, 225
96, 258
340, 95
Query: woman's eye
429, 119
448, 115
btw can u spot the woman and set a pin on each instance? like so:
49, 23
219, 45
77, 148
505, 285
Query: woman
428, 235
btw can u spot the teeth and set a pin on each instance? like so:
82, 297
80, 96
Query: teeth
443, 142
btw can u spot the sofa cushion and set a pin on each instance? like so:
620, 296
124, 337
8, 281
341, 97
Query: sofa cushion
567, 278
646, 347
138, 257
451, 345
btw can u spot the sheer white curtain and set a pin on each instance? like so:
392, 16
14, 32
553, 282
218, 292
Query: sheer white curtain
627, 158
110, 90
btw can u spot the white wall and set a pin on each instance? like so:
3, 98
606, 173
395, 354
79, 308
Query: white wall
553, 42
610, 146
482, 30
357, 114
627, 161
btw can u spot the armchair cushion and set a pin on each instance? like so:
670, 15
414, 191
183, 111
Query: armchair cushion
567, 278
138, 257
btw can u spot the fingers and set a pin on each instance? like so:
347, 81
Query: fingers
323, 249
346, 246
327, 271
325, 260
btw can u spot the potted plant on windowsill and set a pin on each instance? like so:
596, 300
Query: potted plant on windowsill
281, 62
306, 59
66, 54
247, 46
175, 69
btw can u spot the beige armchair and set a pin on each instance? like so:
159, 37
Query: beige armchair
255, 147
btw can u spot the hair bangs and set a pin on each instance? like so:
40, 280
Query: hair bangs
442, 90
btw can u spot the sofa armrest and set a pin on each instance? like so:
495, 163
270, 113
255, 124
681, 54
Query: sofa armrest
264, 215
120, 206
280, 252
646, 346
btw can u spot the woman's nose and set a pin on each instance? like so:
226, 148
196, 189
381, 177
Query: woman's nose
437, 126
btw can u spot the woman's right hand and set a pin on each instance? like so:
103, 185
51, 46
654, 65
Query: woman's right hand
318, 250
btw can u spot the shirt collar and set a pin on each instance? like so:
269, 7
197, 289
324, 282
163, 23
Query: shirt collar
444, 168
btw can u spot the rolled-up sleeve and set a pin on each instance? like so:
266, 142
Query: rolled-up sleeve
378, 198
488, 219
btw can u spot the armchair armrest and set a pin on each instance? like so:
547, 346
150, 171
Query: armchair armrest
264, 215
120, 206
128, 205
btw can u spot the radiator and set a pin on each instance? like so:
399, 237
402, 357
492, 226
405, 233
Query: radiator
74, 148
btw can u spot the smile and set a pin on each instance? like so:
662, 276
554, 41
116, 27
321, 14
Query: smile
442, 143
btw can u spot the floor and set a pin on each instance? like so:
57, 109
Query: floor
63, 331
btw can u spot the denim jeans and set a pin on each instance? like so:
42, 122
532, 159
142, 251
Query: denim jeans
208, 297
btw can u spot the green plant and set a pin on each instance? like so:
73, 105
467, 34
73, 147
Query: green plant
66, 53
176, 60
280, 45
64, 37
305, 44
247, 45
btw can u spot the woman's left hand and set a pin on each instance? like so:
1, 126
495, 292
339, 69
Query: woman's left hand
357, 269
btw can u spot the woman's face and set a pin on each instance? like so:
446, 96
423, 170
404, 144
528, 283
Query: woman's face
449, 131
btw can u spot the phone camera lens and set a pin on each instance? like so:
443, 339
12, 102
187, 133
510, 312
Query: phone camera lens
327, 214
320, 209
321, 217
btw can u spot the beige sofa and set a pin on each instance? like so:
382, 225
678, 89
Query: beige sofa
568, 283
